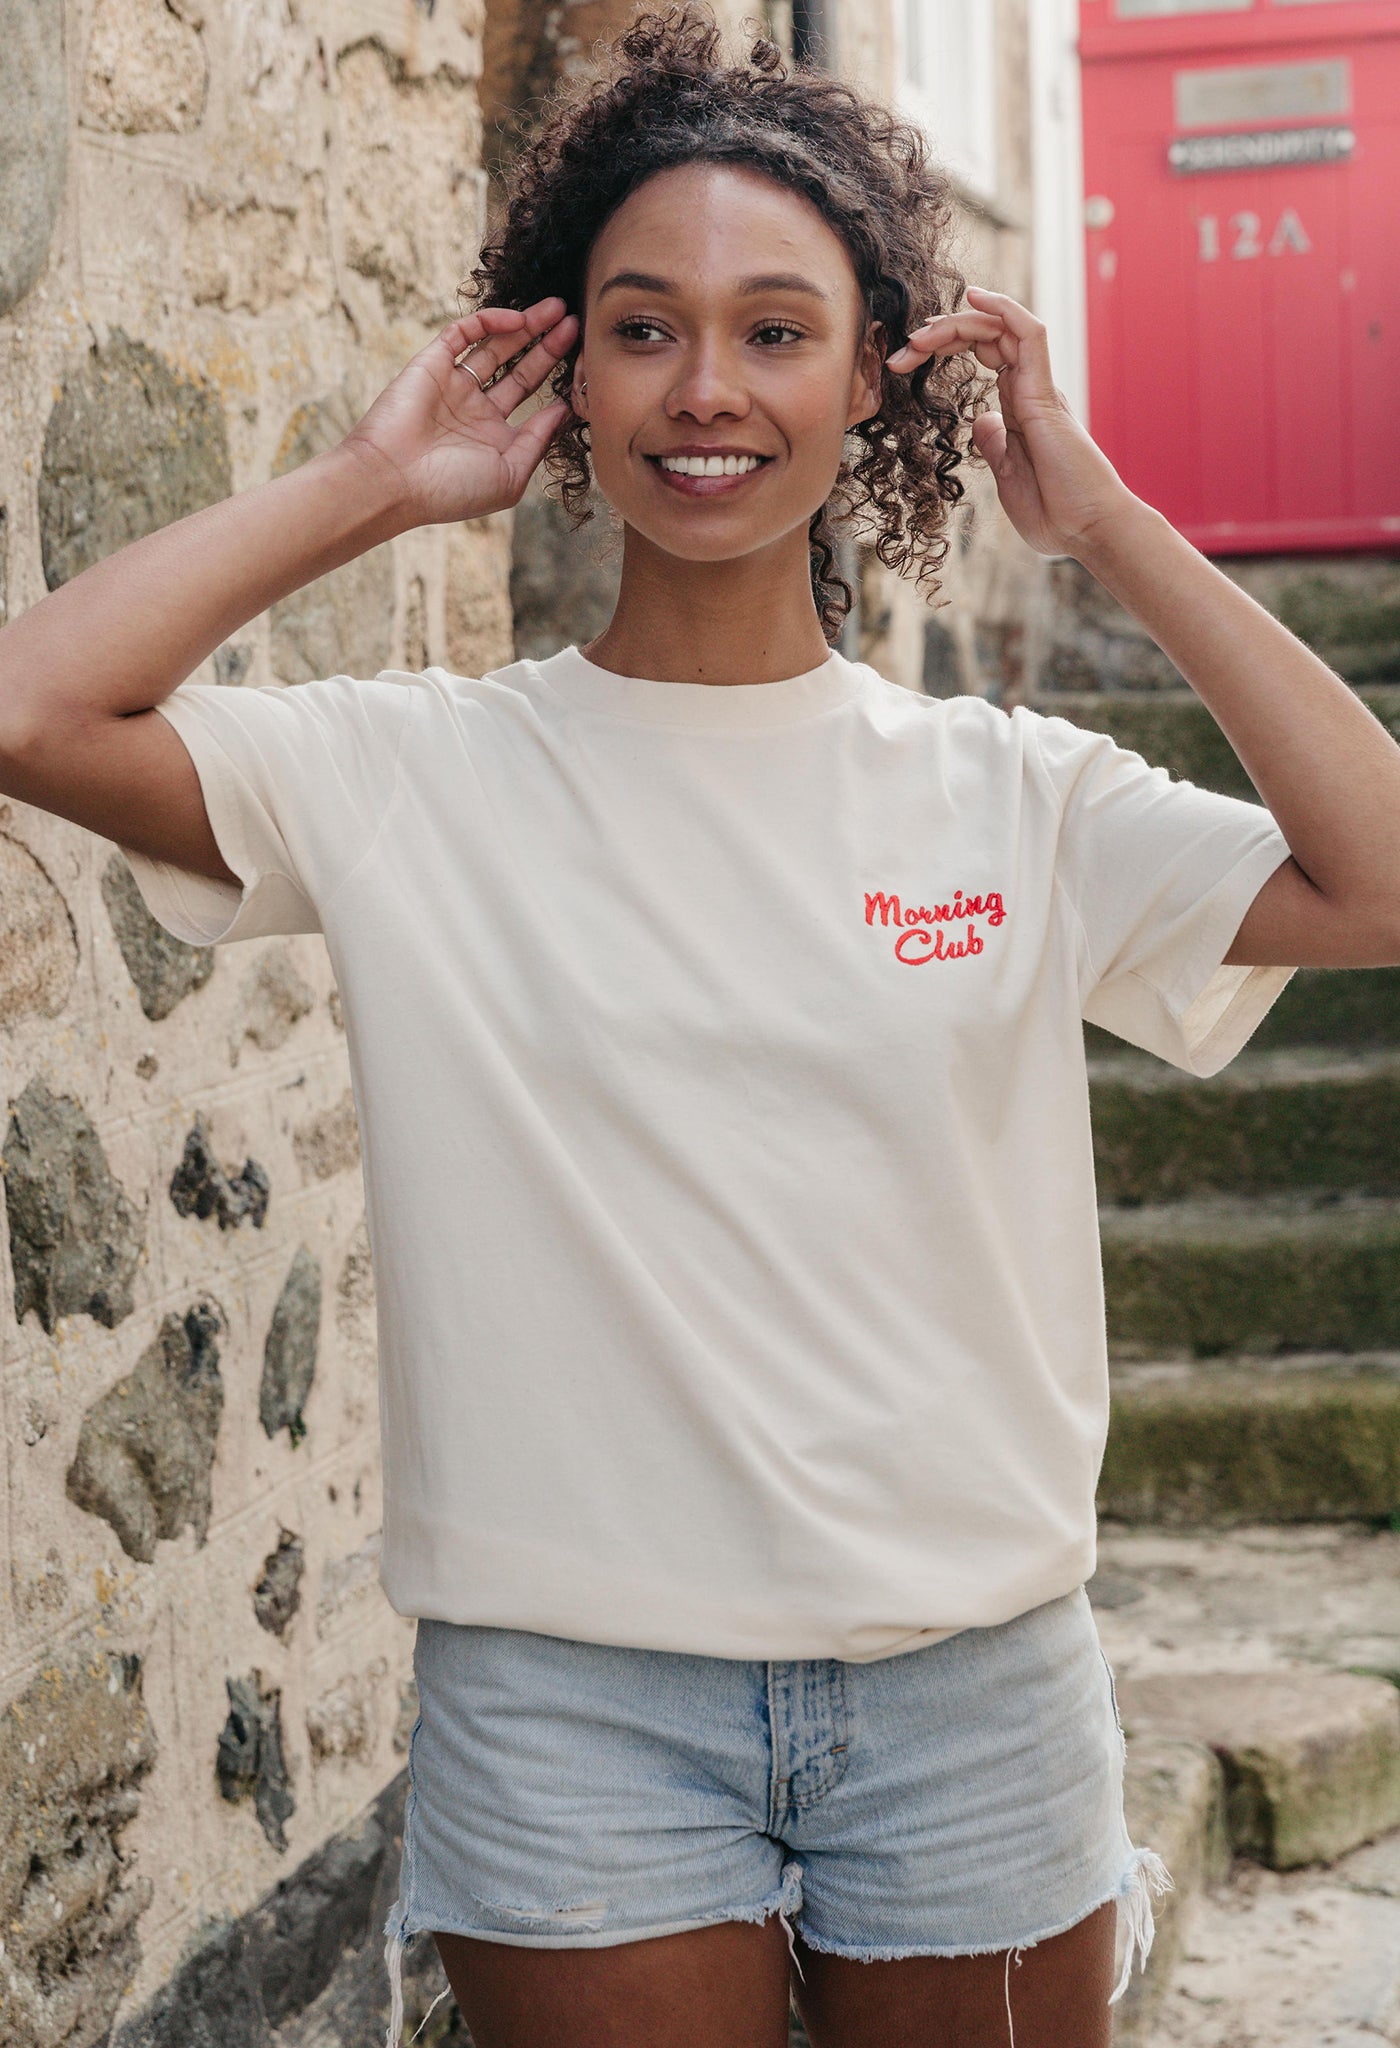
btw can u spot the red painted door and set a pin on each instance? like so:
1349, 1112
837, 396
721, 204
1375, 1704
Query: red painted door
1242, 198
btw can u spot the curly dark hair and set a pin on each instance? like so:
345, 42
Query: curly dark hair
662, 95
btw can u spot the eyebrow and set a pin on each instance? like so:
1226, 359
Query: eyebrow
769, 281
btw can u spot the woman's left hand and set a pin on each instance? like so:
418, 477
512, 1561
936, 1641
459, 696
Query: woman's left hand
1055, 484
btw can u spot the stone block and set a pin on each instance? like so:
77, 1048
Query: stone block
129, 447
164, 969
38, 942
250, 1758
74, 1747
414, 199
201, 1187
75, 1239
274, 997
342, 624
277, 1595
289, 1355
1311, 1758
478, 620
33, 140
147, 71
563, 580
146, 1447
1174, 1802
1229, 1444
1275, 1273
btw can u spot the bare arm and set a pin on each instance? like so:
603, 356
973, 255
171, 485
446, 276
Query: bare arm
81, 671
1325, 766
1328, 771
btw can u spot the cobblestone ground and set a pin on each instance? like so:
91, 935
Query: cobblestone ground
1298, 1959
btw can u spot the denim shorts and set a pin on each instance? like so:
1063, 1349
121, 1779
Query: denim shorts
958, 1799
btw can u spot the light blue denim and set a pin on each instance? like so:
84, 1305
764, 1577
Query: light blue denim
959, 1799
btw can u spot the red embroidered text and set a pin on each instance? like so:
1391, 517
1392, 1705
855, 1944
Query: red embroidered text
916, 944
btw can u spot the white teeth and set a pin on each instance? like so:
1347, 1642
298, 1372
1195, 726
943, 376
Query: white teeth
710, 465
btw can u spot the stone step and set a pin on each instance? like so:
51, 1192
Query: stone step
1311, 1758
1174, 1802
1306, 1438
1311, 1118
1271, 1274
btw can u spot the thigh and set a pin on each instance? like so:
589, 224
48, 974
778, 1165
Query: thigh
725, 1986
1054, 1995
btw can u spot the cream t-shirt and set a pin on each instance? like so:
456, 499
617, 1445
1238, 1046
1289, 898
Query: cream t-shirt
720, 1073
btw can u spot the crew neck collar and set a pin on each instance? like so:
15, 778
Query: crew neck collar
733, 707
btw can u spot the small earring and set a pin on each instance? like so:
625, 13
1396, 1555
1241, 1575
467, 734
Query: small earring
583, 387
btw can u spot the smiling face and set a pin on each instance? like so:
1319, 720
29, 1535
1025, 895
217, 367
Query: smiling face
723, 326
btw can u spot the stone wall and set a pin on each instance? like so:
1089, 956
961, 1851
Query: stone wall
224, 226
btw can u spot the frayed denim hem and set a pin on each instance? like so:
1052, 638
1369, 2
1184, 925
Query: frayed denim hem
1145, 1875
786, 1900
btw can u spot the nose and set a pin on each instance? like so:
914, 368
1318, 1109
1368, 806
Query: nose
709, 386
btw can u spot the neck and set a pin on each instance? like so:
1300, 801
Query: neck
750, 619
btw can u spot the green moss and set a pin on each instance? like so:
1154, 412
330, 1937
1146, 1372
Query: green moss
1221, 1448
1167, 1142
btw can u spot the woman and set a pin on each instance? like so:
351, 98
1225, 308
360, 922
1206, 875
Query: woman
715, 1011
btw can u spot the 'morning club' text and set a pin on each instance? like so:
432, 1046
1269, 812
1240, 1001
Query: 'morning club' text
916, 944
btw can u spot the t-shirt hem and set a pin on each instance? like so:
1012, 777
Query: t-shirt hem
674, 1622
1218, 1006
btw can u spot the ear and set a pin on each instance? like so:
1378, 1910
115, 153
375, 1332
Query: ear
865, 381
578, 398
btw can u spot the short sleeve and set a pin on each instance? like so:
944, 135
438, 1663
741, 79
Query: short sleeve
297, 778
1159, 873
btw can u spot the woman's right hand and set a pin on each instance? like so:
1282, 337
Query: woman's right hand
451, 445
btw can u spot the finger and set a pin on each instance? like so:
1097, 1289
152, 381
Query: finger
945, 334
493, 333
534, 366
1031, 350
532, 437
989, 439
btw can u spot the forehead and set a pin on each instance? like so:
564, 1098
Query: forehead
701, 223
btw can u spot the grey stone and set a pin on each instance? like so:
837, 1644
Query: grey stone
75, 1239
341, 624
275, 998
200, 1187
164, 969
147, 1445
250, 1756
562, 590
1312, 1758
307, 1960
277, 1595
33, 140
130, 446
74, 1747
38, 944
329, 1142
942, 670
1174, 1802
407, 1716
232, 663
289, 1356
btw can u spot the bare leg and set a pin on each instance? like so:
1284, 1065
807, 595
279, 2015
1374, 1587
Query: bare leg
724, 1986
1059, 1996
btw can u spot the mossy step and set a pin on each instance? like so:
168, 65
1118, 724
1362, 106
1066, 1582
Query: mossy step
1173, 729
1274, 1274
1271, 1122
1314, 1438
